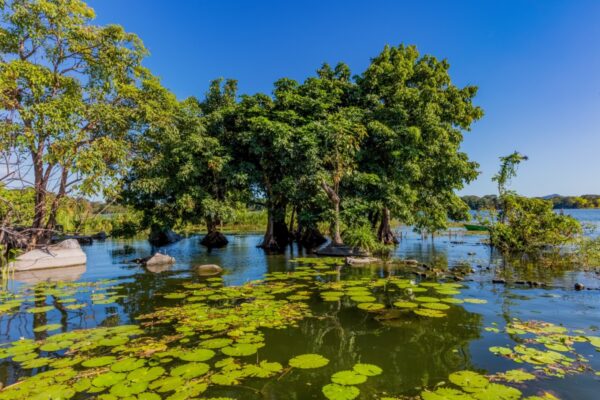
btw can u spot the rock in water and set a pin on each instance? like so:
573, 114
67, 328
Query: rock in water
361, 260
162, 238
158, 259
208, 270
579, 286
333, 250
214, 240
64, 254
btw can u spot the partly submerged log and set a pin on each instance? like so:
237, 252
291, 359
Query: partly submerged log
64, 254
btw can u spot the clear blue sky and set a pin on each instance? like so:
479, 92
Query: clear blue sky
537, 64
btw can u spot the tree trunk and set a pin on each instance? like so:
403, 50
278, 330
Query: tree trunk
39, 216
277, 235
385, 233
213, 238
336, 237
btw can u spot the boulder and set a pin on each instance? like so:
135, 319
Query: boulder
64, 254
208, 270
158, 259
214, 240
361, 260
163, 238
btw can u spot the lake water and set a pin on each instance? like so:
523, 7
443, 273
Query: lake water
414, 352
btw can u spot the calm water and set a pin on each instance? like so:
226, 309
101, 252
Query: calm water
414, 353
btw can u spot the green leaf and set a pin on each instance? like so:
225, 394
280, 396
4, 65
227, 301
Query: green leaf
334, 391
367, 369
348, 378
308, 361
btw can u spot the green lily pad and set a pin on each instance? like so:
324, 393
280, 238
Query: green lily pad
190, 370
469, 381
197, 355
308, 361
367, 369
127, 364
98, 361
333, 391
371, 306
348, 378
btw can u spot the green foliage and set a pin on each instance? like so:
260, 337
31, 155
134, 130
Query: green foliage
72, 93
530, 225
361, 237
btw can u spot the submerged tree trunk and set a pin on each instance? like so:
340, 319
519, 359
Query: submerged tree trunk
385, 233
213, 238
277, 235
336, 237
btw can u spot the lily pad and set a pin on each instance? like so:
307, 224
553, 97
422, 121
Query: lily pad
308, 361
333, 391
348, 378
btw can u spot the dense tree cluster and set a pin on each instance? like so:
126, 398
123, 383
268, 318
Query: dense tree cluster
351, 151
81, 117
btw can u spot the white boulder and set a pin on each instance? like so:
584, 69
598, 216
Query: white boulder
158, 259
64, 254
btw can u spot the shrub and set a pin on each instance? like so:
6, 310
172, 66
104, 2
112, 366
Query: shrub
361, 237
530, 225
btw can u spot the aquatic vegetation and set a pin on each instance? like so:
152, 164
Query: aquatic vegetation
308, 361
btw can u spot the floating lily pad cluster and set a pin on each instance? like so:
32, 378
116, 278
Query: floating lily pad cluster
425, 299
65, 296
343, 384
547, 347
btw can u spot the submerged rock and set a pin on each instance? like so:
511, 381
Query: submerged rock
64, 254
579, 286
158, 259
214, 240
208, 270
163, 238
361, 260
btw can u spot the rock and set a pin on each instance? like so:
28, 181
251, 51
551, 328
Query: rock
361, 260
158, 259
162, 238
214, 240
64, 254
579, 286
471, 253
208, 270
501, 281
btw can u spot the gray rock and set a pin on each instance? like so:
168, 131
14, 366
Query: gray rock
208, 270
158, 259
332, 250
64, 254
361, 260
579, 286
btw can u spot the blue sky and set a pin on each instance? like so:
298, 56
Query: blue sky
537, 64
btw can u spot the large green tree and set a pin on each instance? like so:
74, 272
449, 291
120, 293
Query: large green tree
182, 171
416, 118
70, 92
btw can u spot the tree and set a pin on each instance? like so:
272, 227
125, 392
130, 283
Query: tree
71, 93
415, 119
508, 170
181, 173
